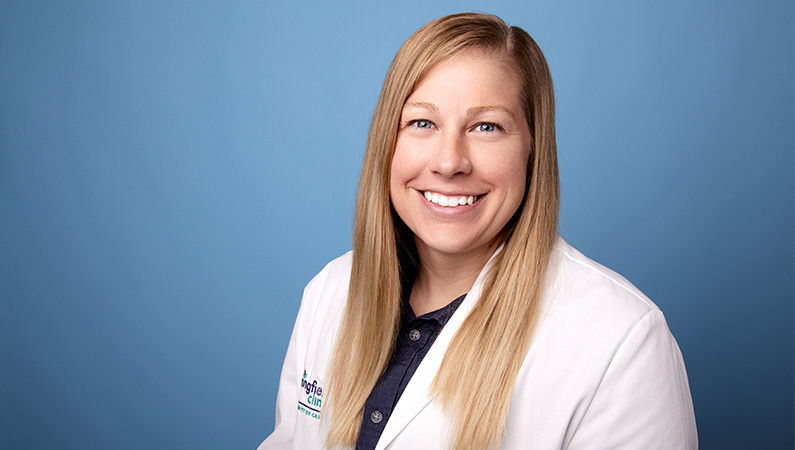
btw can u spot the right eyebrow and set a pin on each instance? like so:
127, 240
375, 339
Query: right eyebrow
424, 105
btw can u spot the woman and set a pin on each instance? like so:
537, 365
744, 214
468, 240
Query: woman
461, 320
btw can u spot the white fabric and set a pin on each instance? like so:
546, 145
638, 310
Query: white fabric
603, 371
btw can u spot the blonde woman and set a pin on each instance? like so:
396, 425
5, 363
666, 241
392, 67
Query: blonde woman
461, 320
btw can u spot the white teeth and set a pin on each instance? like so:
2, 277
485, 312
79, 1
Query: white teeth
450, 202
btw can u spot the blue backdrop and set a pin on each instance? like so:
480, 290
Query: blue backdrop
173, 173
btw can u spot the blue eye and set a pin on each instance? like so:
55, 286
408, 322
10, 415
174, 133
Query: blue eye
425, 124
487, 127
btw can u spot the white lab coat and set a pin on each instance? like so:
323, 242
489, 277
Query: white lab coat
603, 371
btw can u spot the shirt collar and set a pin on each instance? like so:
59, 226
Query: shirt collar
441, 315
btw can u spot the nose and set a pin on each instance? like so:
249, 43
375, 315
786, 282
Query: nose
451, 157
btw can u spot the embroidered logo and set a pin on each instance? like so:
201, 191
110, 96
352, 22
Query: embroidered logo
310, 399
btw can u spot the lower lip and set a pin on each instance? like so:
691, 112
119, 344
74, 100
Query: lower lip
448, 211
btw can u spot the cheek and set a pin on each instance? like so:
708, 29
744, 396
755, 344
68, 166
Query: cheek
395, 174
519, 181
403, 168
396, 178
508, 171
510, 178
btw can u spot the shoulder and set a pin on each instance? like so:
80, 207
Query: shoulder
590, 311
325, 295
602, 354
578, 282
321, 312
333, 277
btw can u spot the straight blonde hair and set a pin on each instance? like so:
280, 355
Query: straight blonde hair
488, 350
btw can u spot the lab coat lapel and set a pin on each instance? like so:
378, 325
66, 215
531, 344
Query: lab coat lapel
417, 393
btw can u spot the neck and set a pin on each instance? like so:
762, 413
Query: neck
443, 277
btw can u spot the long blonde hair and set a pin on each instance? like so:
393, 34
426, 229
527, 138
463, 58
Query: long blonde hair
489, 348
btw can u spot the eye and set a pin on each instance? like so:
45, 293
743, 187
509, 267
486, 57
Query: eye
421, 123
487, 127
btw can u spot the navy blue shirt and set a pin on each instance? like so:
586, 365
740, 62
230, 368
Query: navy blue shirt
414, 340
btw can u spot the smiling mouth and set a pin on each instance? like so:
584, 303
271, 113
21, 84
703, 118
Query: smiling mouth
450, 201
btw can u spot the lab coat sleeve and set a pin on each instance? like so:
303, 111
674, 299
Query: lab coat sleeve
286, 401
643, 400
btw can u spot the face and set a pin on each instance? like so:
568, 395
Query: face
460, 164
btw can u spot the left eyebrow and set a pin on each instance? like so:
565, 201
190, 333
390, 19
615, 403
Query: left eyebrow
475, 110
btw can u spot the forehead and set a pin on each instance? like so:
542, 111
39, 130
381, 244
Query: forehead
471, 76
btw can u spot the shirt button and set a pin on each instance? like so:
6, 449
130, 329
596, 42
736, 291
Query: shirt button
376, 417
414, 335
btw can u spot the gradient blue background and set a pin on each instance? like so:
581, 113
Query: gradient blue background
173, 173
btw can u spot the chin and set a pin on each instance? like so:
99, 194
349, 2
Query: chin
451, 244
